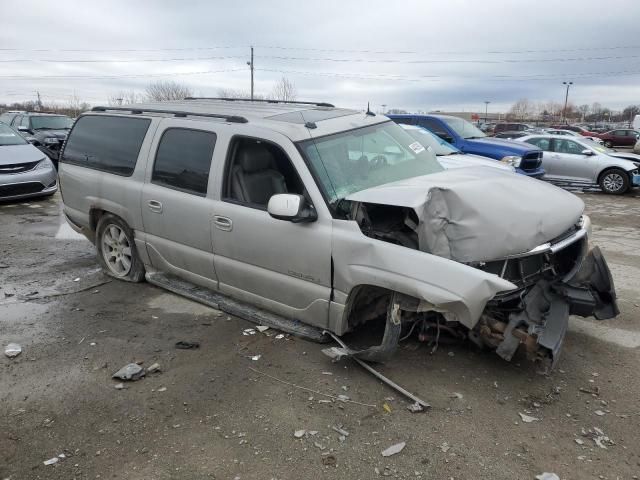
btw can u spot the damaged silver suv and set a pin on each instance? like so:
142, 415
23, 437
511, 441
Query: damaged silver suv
311, 218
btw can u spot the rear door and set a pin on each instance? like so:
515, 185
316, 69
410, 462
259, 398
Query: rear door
176, 209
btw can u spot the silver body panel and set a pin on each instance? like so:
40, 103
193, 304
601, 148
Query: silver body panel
20, 154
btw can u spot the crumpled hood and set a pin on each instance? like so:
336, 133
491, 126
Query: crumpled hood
480, 214
464, 160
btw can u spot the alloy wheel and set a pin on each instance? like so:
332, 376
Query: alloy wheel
116, 250
613, 182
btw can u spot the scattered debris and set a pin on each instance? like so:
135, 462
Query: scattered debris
52, 461
327, 373
415, 408
341, 431
93, 344
598, 437
528, 418
183, 345
310, 390
262, 328
394, 449
343, 398
154, 368
77, 279
457, 395
377, 374
444, 448
547, 476
13, 350
299, 433
255, 358
132, 372
330, 461
593, 391
386, 407
280, 336
162, 389
248, 331
600, 413
579, 441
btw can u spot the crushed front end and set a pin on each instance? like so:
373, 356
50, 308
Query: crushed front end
557, 279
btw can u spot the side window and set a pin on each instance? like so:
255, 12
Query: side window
405, 120
433, 126
568, 146
619, 133
15, 121
183, 160
106, 143
542, 143
256, 170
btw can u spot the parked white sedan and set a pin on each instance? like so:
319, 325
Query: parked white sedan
448, 155
581, 161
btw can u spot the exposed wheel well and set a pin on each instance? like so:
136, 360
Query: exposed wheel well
365, 303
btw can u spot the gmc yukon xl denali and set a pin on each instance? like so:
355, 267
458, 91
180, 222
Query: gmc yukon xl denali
318, 218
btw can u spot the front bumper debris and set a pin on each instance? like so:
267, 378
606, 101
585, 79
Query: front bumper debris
540, 326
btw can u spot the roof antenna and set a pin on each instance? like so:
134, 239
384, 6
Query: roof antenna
369, 112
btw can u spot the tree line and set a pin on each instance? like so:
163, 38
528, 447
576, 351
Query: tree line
527, 110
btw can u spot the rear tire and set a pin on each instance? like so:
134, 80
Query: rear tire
614, 181
116, 249
608, 144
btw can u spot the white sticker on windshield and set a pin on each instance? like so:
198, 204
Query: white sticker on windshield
8, 134
416, 147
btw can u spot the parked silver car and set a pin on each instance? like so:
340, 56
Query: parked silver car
582, 161
448, 155
309, 217
570, 133
25, 171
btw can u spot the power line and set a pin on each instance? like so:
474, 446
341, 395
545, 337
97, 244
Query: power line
38, 77
115, 60
310, 49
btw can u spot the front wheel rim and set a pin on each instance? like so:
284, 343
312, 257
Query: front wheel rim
613, 182
116, 250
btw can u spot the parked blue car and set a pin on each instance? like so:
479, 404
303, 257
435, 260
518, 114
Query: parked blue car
526, 159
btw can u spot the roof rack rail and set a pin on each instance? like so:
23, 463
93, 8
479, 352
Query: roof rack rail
294, 102
139, 111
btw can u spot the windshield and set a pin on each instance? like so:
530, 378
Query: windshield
598, 147
463, 128
348, 162
428, 139
51, 122
8, 136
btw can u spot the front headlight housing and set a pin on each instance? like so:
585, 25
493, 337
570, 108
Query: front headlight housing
45, 164
50, 140
512, 160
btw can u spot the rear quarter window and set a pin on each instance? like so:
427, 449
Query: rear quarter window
106, 143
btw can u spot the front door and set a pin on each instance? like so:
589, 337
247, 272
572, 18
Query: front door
278, 265
570, 163
175, 206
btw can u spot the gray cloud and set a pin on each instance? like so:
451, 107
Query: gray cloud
465, 52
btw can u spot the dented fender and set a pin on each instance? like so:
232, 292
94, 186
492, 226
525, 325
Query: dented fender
444, 285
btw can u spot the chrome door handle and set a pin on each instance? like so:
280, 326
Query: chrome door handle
223, 223
155, 206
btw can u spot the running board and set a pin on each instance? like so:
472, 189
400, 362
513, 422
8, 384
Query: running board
233, 307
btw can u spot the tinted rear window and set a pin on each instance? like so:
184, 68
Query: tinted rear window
111, 144
183, 160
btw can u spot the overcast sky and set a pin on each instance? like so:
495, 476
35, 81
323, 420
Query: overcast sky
416, 55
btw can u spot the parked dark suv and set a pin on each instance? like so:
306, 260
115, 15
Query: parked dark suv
511, 127
44, 130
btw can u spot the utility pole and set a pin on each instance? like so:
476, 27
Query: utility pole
486, 109
566, 98
251, 68
39, 101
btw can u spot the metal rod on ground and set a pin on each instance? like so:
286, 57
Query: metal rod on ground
393, 385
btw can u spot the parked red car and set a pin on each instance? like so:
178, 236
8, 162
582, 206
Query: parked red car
619, 138
574, 128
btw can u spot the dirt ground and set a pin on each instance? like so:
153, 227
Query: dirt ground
211, 414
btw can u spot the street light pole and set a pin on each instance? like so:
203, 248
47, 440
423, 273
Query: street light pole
251, 68
486, 108
566, 98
